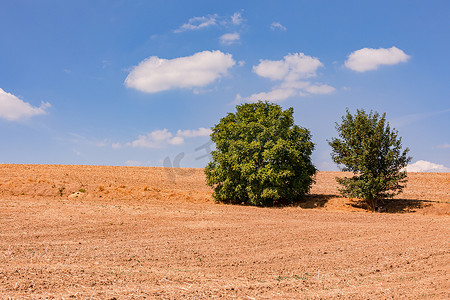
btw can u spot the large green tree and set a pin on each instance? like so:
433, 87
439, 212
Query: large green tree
262, 158
369, 148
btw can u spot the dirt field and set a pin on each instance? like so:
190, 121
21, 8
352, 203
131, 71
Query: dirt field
84, 232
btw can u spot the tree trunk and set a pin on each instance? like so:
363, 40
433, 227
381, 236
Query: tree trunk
372, 204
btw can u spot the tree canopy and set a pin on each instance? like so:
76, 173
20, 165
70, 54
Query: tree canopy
262, 158
369, 148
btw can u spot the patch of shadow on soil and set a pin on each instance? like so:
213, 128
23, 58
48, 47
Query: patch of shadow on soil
403, 205
314, 201
310, 201
395, 206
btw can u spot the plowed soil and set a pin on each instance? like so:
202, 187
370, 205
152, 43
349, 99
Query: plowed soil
83, 232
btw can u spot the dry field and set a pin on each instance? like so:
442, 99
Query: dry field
79, 232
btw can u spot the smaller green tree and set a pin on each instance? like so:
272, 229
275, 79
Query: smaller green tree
373, 152
261, 157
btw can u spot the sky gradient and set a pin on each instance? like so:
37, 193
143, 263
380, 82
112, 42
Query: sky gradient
141, 82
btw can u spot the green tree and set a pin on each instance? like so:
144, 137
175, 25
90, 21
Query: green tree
261, 157
373, 152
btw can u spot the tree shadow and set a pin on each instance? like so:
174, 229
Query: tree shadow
312, 201
394, 206
404, 205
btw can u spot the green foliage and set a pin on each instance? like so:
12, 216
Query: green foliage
261, 157
372, 151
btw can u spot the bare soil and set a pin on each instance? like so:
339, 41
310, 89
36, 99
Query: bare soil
99, 232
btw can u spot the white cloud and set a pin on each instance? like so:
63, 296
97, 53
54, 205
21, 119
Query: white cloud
277, 25
295, 84
137, 163
320, 89
236, 18
275, 70
292, 67
156, 74
194, 133
156, 139
116, 145
133, 163
229, 38
275, 95
102, 143
14, 109
291, 70
288, 90
444, 146
178, 140
105, 63
426, 166
162, 138
367, 59
197, 23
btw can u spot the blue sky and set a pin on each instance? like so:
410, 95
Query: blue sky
139, 82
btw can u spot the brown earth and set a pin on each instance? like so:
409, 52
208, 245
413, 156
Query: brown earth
131, 233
